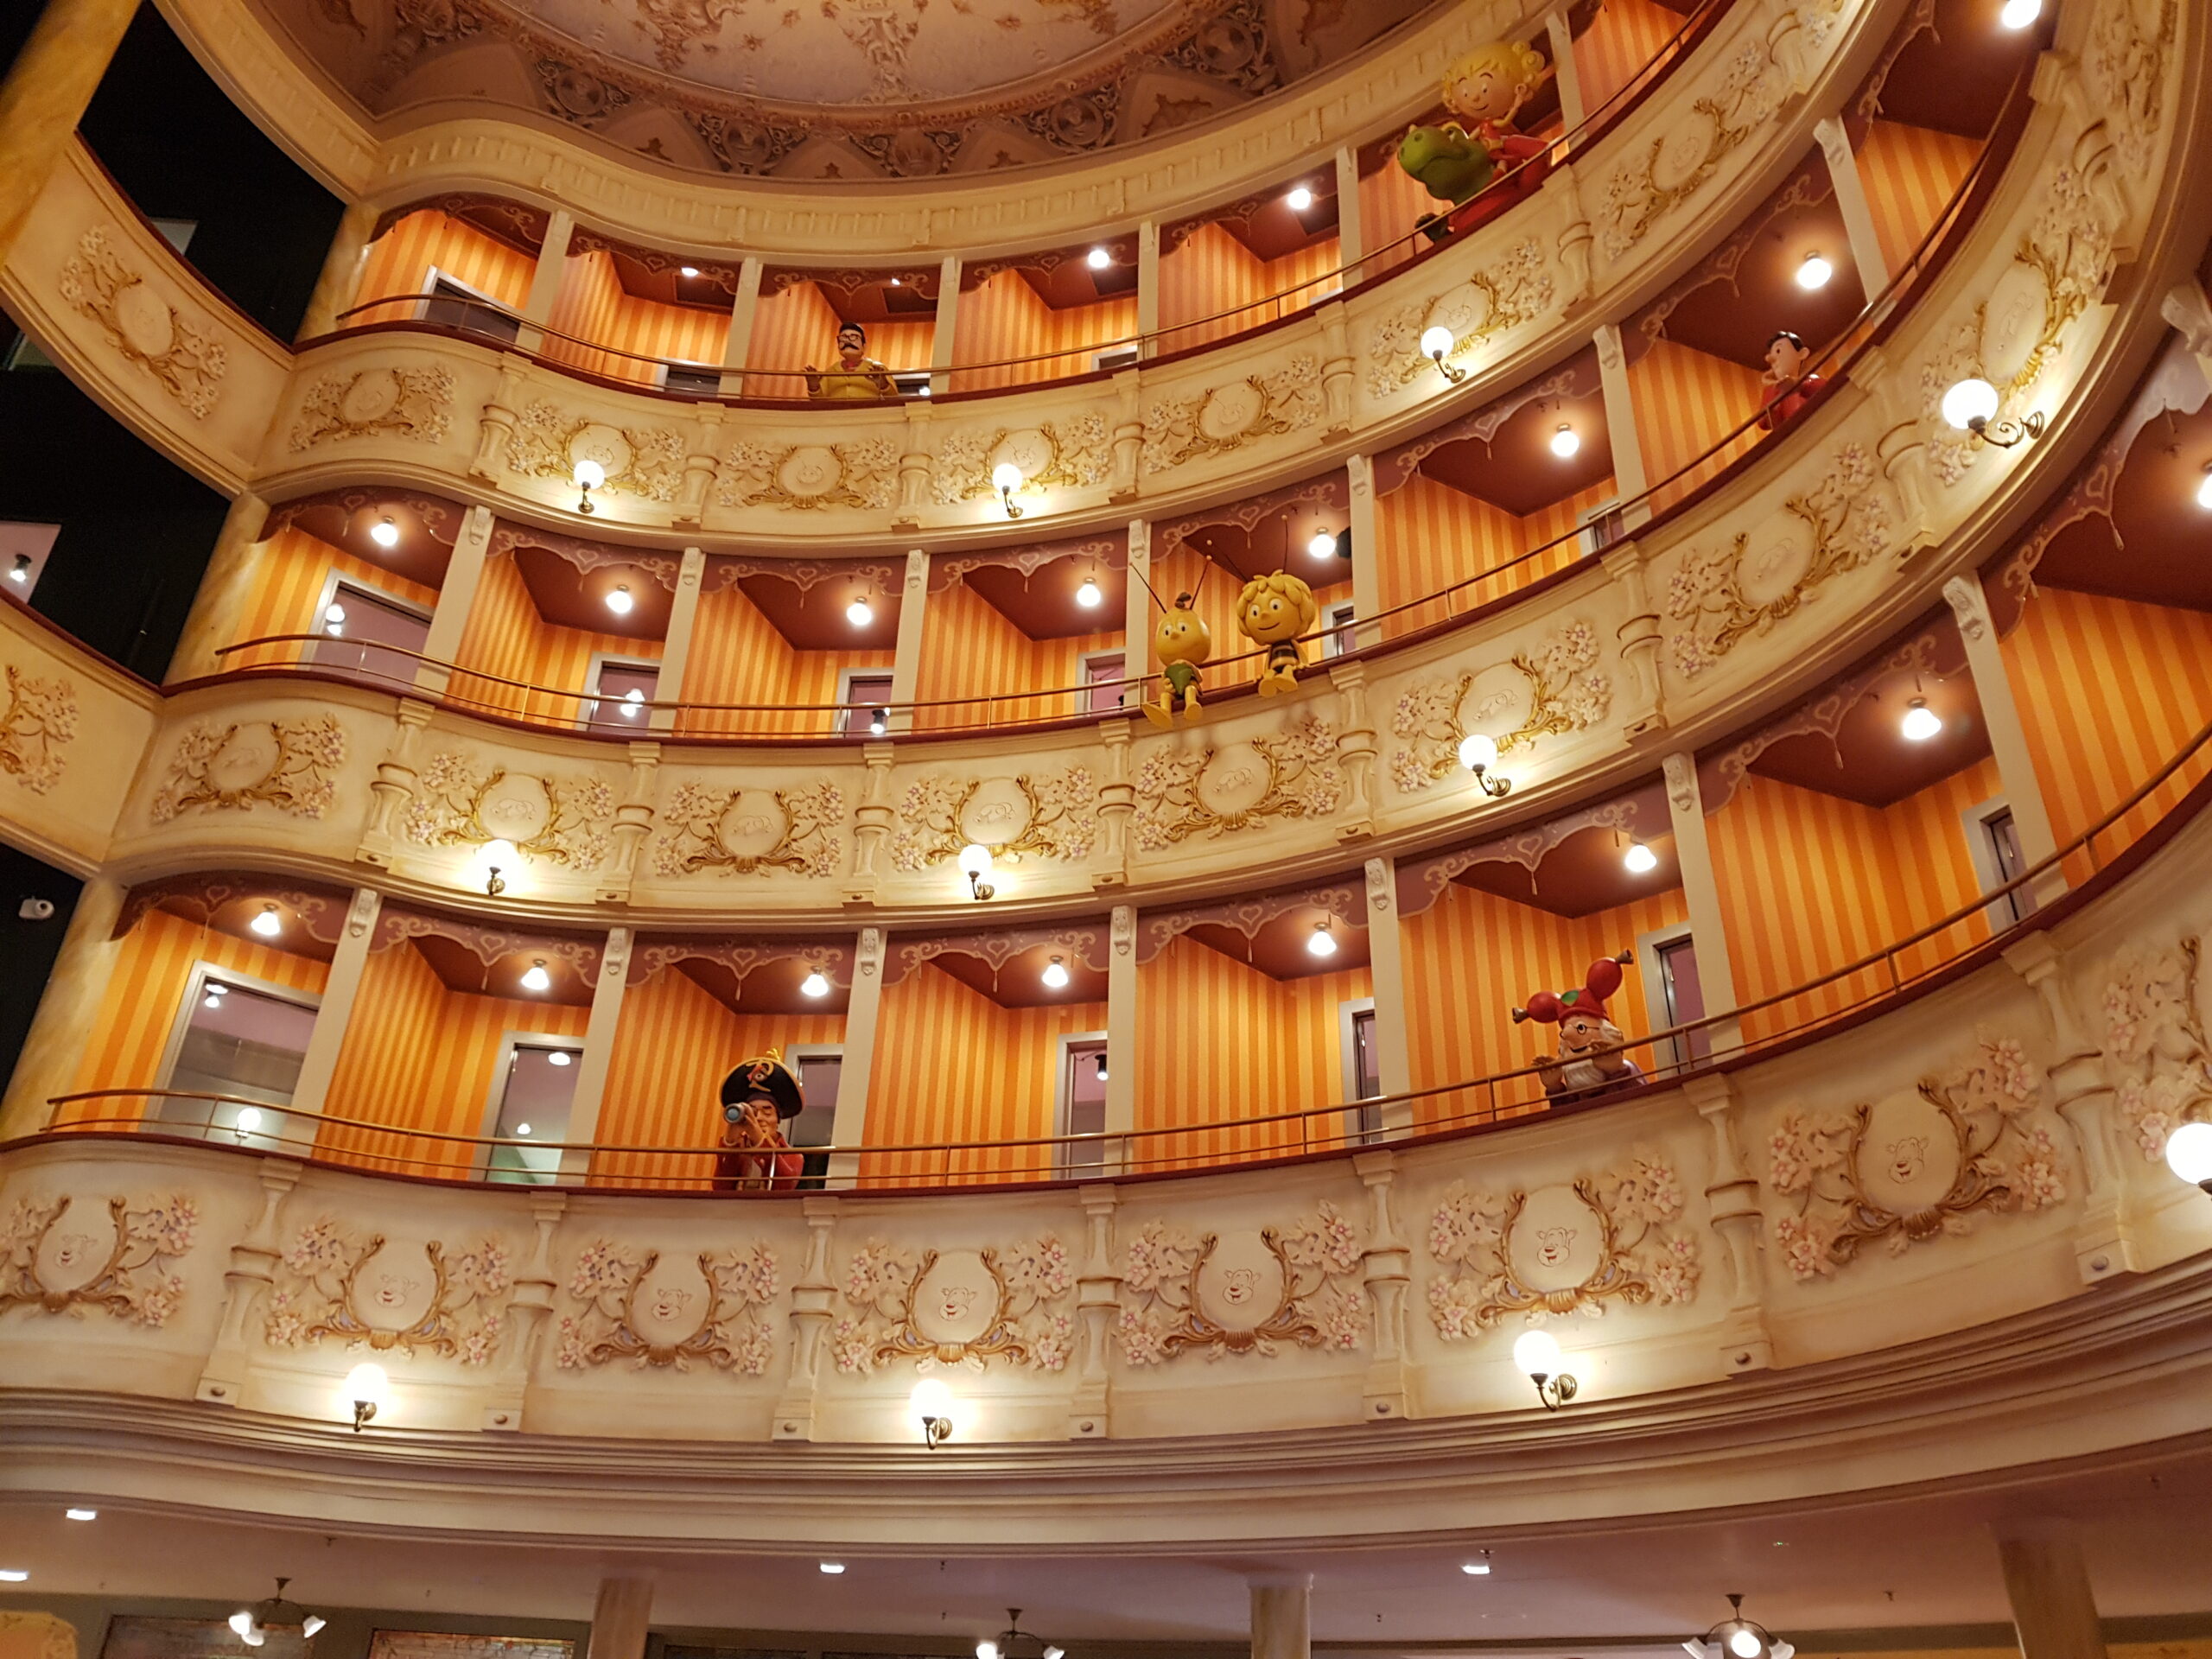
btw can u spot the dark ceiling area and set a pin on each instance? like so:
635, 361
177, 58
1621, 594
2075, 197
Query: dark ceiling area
1042, 604
2153, 548
345, 520
1019, 982
1281, 539
570, 598
1282, 948
1582, 875
771, 988
1515, 470
813, 618
459, 968
1953, 76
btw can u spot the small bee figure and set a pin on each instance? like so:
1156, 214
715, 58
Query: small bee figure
1273, 611
1182, 642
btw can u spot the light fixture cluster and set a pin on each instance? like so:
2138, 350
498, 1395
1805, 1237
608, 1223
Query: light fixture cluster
1014, 1642
253, 1624
1737, 1637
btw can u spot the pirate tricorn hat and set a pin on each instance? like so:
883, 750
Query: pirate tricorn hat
1550, 1008
768, 1078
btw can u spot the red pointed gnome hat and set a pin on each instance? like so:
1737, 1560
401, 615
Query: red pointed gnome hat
1550, 1008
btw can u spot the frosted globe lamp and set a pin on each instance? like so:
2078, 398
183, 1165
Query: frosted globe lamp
367, 1390
930, 1407
2189, 1153
1815, 273
1920, 722
1969, 403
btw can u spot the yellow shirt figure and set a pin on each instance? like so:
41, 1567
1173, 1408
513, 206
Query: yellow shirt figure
858, 378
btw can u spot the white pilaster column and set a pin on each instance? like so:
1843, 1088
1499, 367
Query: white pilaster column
1148, 285
545, 280
907, 665
947, 325
1138, 610
1281, 1615
335, 1011
62, 1029
1629, 476
1850, 201
676, 650
737, 345
1386, 971
592, 1063
619, 1622
1366, 550
226, 590
1351, 234
2054, 1610
337, 285
449, 619
2008, 738
1572, 110
1121, 1033
863, 1009
1716, 972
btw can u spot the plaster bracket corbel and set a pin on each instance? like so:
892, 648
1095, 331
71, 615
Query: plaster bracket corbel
1097, 1308
252, 1269
1733, 1204
497, 423
1639, 637
872, 823
1117, 801
1355, 751
529, 1311
393, 786
701, 470
813, 1302
1129, 436
1386, 1273
632, 826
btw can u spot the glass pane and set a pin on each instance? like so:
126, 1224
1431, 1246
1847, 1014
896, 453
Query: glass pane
864, 695
818, 1076
1366, 1074
541, 1087
455, 308
1085, 1094
356, 623
242, 1043
624, 691
1684, 996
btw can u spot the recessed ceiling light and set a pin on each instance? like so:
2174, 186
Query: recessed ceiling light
1098, 259
82, 1514
1299, 200
1920, 722
1566, 442
691, 270
1056, 974
1815, 272
833, 1567
384, 533
536, 979
619, 601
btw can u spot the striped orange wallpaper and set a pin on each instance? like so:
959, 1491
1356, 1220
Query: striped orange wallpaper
673, 1046
1213, 272
1219, 1039
971, 650
1856, 879
1431, 535
1473, 957
797, 326
1910, 173
139, 1008
951, 1065
593, 305
1685, 401
419, 1056
507, 636
400, 262
1625, 36
288, 585
2109, 690
1003, 318
738, 656
1389, 203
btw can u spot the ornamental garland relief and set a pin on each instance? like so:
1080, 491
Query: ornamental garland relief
1064, 455
956, 1307
36, 726
560, 817
1516, 289
414, 403
1547, 692
1572, 1247
1244, 1290
644, 461
1053, 816
286, 763
59, 1259
668, 1314
142, 327
1182, 792
334, 1283
2154, 1032
2123, 66
809, 477
1721, 596
1224, 420
747, 831
1907, 1168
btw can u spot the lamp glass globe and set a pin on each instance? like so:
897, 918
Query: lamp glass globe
1640, 858
384, 533
1299, 200
536, 979
1089, 595
1005, 476
1437, 341
1566, 442
1323, 546
367, 1384
2204, 491
1324, 943
2189, 1152
814, 985
268, 923
1920, 722
1967, 401
859, 613
1056, 974
1477, 752
931, 1398
589, 475
2018, 14
974, 859
249, 1119
1098, 258
1536, 1352
619, 601
1815, 272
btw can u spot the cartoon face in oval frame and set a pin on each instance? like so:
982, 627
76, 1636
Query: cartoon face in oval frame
1182, 642
1271, 611
1591, 1059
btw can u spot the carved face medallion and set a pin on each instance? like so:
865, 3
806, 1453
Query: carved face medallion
247, 757
394, 1287
1909, 1157
1555, 1243
1240, 1286
955, 1300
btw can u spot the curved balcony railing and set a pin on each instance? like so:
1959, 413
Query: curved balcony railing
1906, 969
501, 324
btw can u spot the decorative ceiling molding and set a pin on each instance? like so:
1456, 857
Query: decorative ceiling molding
726, 570
198, 895
1921, 19
1331, 490
833, 961
1108, 552
439, 517
516, 223
585, 555
1087, 945
1157, 930
850, 281
1641, 813
1394, 468
1122, 250
711, 273
398, 923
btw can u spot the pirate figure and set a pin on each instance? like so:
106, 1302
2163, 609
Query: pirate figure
754, 1154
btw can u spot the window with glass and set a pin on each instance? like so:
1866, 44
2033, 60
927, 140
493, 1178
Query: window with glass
244, 1043
1082, 1105
624, 692
370, 636
867, 712
536, 1095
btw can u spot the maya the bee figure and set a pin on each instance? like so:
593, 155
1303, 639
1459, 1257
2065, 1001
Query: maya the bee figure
1182, 642
1273, 611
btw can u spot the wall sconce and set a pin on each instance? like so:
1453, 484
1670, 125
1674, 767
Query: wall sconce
1478, 754
269, 923
1737, 1637
384, 533
589, 476
1971, 406
19, 572
1537, 1353
498, 856
1436, 346
366, 1388
246, 1123
975, 865
879, 721
2188, 1154
930, 1407
1006, 479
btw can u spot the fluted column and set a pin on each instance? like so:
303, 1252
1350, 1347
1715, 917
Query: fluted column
226, 590
850, 1126
1122, 1013
906, 664
676, 650
592, 1065
1716, 972
336, 288
1630, 480
2047, 1580
947, 332
62, 1028
45, 94
1366, 553
1873, 266
341, 985
1281, 1614
449, 621
1387, 972
737, 345
2008, 737
620, 1619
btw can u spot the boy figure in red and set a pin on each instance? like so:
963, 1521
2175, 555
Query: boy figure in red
1788, 388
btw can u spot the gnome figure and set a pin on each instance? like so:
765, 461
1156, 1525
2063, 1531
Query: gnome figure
755, 1155
1591, 1060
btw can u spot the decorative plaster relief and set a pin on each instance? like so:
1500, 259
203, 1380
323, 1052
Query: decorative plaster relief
2123, 66
1245, 1290
286, 763
2153, 1028
119, 1262
562, 818
957, 1307
646, 462
807, 477
1223, 420
331, 1282
1547, 692
745, 831
1722, 596
1053, 816
1185, 792
1516, 289
142, 327
403, 403
633, 1308
1909, 1168
37, 724
1075, 454
1572, 1247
